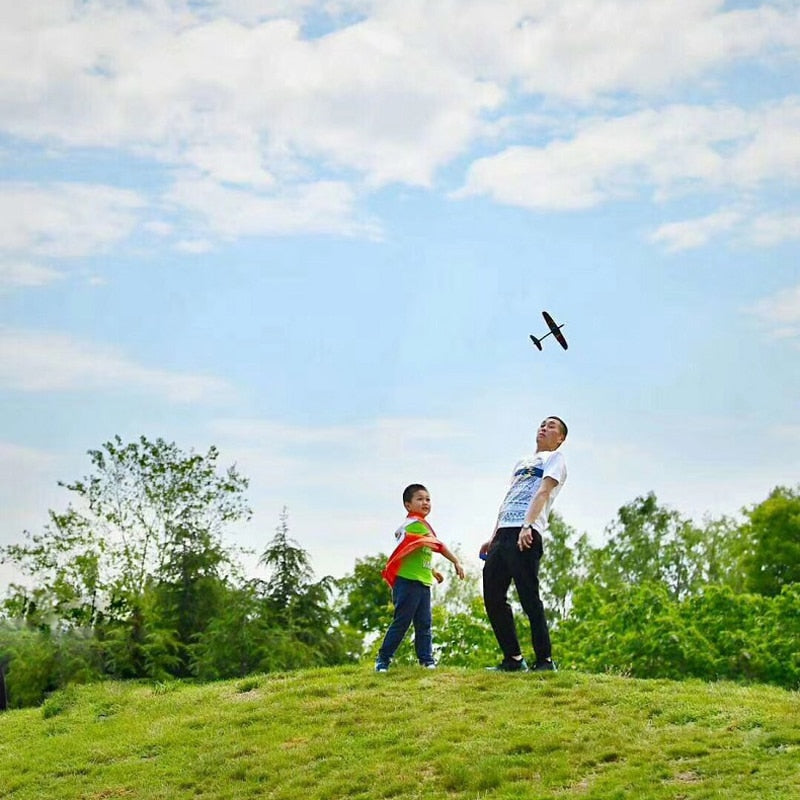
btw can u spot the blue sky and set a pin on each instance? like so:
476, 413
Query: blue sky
318, 235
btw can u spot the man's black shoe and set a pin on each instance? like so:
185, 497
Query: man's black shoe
545, 666
510, 665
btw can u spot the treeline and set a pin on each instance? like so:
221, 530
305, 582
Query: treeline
133, 580
665, 598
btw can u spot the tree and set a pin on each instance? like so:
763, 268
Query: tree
290, 568
649, 543
156, 503
721, 549
772, 557
63, 563
462, 637
237, 640
365, 600
138, 558
300, 608
559, 568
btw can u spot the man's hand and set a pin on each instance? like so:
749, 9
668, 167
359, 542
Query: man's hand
459, 570
525, 539
438, 575
484, 548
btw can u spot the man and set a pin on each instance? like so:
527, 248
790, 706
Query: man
515, 549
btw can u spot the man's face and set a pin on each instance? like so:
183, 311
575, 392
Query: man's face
420, 503
549, 436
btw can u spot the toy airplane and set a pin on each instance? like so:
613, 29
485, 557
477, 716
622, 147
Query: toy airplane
554, 329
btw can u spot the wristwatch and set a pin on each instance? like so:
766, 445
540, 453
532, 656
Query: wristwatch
529, 526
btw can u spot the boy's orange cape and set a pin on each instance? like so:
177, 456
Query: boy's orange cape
409, 545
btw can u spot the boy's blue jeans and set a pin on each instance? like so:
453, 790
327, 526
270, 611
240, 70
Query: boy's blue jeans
412, 603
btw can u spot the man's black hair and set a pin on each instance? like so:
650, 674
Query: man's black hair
411, 490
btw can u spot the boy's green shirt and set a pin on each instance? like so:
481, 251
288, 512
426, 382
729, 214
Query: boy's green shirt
417, 566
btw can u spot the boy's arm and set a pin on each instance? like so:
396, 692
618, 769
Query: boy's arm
446, 552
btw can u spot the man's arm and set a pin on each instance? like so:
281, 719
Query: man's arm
486, 545
537, 504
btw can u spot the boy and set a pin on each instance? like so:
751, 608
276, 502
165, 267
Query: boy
410, 575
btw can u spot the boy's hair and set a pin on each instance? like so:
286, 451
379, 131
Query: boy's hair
411, 490
560, 422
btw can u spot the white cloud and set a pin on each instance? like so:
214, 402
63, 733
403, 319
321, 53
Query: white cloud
675, 150
788, 432
763, 230
29, 487
236, 162
784, 306
695, 232
771, 150
356, 474
581, 49
772, 229
158, 227
14, 456
324, 207
284, 106
194, 246
363, 436
658, 460
51, 362
65, 220
238, 103
253, 11
780, 313
20, 273
394, 91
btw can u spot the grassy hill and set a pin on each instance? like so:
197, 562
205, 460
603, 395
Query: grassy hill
347, 732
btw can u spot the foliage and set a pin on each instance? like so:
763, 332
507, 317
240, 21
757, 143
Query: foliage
464, 638
649, 543
235, 642
365, 601
558, 571
135, 568
772, 559
300, 607
64, 562
134, 581
40, 662
641, 630
290, 568
157, 506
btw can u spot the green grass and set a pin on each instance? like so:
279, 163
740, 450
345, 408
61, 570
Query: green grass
347, 732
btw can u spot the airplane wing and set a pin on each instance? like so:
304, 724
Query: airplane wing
555, 329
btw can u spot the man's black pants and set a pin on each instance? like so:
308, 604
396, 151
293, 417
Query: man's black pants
504, 563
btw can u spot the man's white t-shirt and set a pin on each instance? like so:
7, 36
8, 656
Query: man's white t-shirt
525, 481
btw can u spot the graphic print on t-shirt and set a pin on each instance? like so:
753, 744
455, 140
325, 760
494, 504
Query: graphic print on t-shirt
526, 480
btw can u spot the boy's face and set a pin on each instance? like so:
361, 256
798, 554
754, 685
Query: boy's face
420, 503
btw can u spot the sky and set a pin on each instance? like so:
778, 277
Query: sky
318, 235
